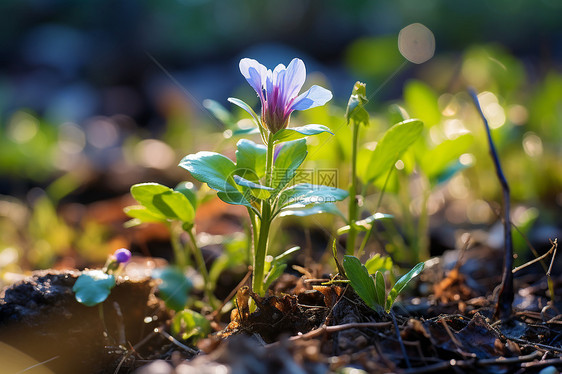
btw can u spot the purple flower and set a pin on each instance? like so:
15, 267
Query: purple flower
122, 255
278, 91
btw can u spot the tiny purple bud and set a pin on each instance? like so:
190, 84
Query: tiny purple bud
122, 255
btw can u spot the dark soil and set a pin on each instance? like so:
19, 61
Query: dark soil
39, 316
445, 325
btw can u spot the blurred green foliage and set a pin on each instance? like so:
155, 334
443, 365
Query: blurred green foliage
450, 160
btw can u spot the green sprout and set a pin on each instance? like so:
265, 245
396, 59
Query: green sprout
176, 209
372, 289
394, 143
94, 286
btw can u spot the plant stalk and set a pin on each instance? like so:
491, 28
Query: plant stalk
179, 252
207, 288
260, 251
353, 203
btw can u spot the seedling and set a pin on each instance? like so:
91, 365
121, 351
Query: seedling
372, 289
176, 209
389, 149
94, 286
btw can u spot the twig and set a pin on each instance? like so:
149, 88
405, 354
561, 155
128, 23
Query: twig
231, 294
37, 364
147, 338
331, 329
544, 346
176, 342
555, 246
474, 363
451, 336
554, 361
136, 347
536, 260
121, 336
316, 280
525, 238
505, 298
402, 347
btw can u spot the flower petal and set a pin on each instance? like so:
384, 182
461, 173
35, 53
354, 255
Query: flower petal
293, 80
255, 73
314, 97
279, 68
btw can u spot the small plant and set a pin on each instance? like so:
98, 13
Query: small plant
260, 178
372, 288
176, 209
395, 141
94, 286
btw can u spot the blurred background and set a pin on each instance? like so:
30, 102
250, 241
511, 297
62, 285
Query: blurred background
98, 95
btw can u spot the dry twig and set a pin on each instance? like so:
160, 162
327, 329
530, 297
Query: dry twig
506, 295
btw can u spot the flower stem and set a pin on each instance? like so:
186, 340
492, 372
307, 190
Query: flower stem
353, 203
260, 251
255, 226
269, 160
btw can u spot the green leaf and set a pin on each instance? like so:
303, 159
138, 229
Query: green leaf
435, 162
293, 133
144, 193
174, 287
304, 194
290, 157
278, 266
248, 131
257, 190
189, 190
283, 256
93, 287
246, 183
219, 112
361, 281
421, 101
163, 200
402, 283
217, 171
212, 168
275, 272
449, 172
378, 263
190, 324
309, 211
392, 145
364, 224
175, 205
142, 213
380, 289
250, 156
355, 111
247, 108
236, 198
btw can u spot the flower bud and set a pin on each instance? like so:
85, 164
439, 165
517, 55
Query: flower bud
122, 255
